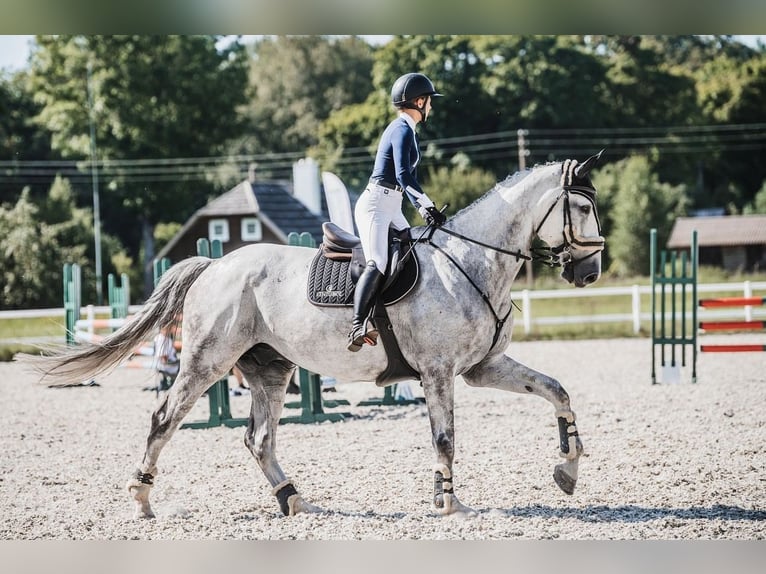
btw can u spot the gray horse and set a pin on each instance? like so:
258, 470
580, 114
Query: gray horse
246, 309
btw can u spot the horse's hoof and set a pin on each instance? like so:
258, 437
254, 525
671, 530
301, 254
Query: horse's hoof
141, 514
565, 482
298, 505
452, 507
140, 495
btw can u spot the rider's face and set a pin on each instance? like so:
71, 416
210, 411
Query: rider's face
428, 106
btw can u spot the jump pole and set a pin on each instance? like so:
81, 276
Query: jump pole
732, 325
684, 278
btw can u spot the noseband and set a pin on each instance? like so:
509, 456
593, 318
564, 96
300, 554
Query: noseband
570, 237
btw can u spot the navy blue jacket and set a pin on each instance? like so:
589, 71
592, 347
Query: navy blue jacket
397, 158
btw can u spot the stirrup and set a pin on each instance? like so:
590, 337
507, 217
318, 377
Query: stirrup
361, 336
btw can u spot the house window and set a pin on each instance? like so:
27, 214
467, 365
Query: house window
251, 229
218, 229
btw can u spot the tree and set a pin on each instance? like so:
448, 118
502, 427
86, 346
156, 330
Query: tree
639, 202
39, 238
20, 138
732, 91
154, 97
29, 252
296, 82
758, 205
459, 185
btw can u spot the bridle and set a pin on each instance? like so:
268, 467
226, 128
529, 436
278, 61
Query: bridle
557, 256
570, 237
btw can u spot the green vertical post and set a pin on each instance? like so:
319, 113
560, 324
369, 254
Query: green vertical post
72, 300
118, 296
160, 267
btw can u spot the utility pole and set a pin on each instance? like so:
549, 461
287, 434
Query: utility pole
96, 202
523, 153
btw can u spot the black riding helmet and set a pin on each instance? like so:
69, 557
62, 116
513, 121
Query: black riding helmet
408, 88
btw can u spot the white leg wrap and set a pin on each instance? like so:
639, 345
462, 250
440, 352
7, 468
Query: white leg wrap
443, 492
567, 434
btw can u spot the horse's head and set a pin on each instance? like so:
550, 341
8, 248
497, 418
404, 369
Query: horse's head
571, 226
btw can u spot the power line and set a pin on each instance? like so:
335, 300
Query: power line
493, 145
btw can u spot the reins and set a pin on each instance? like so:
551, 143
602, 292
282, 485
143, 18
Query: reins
550, 256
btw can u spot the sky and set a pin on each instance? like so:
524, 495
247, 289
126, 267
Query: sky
15, 49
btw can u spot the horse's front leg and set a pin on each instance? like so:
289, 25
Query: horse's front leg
502, 372
439, 394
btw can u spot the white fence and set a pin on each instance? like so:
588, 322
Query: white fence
631, 293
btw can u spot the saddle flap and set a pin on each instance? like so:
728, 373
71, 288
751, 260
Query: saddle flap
332, 278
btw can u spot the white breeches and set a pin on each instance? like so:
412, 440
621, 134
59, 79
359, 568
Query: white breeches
377, 209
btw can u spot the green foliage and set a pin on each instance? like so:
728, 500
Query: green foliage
733, 91
39, 239
164, 232
459, 186
758, 206
29, 250
347, 140
153, 97
533, 81
20, 138
639, 203
297, 82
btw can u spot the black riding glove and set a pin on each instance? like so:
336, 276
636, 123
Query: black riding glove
432, 216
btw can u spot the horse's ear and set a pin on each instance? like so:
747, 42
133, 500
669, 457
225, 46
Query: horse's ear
584, 168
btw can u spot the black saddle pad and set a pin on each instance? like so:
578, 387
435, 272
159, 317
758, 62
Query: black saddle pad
330, 283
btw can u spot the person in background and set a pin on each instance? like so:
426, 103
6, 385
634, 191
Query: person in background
166, 357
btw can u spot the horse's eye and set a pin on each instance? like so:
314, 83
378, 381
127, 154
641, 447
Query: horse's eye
585, 209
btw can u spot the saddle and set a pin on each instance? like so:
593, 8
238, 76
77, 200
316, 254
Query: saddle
333, 274
340, 262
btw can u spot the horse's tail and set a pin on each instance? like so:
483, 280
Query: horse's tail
74, 365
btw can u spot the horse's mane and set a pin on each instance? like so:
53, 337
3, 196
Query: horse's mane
509, 181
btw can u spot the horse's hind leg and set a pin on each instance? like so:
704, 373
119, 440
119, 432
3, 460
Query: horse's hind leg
502, 372
166, 418
268, 376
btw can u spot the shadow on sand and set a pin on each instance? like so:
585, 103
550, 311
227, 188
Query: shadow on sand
633, 513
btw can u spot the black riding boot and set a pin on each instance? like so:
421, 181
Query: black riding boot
364, 296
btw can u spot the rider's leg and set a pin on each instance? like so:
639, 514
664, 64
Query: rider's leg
374, 212
364, 296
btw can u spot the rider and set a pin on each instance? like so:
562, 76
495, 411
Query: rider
380, 205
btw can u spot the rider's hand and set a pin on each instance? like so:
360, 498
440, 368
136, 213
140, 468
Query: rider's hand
432, 216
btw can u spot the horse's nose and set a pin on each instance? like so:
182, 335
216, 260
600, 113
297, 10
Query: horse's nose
591, 278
